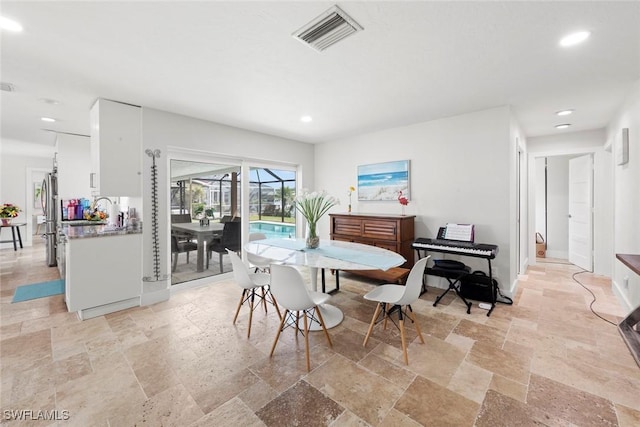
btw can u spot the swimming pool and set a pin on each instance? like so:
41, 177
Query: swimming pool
273, 230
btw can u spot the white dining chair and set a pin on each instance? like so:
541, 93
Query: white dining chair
398, 298
259, 263
291, 292
250, 283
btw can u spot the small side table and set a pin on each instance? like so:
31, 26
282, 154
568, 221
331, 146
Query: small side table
15, 229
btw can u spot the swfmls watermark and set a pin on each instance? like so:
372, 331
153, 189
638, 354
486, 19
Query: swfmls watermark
35, 415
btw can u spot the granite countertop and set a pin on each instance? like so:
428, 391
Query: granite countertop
97, 230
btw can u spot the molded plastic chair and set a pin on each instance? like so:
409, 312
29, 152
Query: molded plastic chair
178, 248
258, 262
250, 282
400, 297
289, 289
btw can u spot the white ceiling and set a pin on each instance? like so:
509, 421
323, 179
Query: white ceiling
237, 63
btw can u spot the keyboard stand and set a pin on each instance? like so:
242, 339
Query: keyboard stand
453, 277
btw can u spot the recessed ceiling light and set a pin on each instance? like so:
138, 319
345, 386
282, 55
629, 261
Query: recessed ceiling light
47, 119
564, 112
10, 25
50, 101
574, 38
306, 119
563, 126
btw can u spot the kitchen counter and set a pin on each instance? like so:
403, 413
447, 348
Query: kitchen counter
97, 230
101, 275
631, 261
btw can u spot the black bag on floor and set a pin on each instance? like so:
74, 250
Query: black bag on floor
476, 286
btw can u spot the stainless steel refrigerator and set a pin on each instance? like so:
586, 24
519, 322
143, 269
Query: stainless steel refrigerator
49, 199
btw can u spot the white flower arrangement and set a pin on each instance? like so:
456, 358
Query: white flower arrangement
313, 206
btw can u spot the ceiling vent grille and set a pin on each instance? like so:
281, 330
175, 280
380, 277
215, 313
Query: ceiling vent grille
327, 29
7, 87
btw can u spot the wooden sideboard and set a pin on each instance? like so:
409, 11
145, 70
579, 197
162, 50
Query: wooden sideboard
392, 232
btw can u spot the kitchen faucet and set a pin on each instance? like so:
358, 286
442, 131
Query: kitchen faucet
94, 205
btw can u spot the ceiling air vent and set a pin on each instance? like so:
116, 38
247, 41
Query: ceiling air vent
7, 87
327, 29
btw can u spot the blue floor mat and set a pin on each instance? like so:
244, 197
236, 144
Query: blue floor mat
38, 290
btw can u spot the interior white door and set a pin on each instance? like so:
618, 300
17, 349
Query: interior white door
580, 211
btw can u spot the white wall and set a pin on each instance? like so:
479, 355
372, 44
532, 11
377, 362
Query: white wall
201, 140
627, 197
74, 166
14, 187
461, 171
581, 143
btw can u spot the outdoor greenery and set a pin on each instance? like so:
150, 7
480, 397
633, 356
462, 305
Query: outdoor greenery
197, 209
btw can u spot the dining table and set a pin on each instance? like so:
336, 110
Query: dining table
331, 254
202, 233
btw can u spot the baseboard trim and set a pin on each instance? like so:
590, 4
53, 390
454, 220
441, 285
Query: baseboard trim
90, 313
621, 296
149, 298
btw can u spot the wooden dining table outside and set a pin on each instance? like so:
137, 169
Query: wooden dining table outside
202, 233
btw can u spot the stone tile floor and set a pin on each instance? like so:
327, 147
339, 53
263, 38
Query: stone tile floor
546, 360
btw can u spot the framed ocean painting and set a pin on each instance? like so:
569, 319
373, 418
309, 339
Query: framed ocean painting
383, 181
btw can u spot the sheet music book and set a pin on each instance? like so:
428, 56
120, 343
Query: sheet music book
462, 232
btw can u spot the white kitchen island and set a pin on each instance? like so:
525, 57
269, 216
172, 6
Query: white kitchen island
103, 269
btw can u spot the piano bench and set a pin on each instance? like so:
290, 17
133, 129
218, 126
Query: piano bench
396, 275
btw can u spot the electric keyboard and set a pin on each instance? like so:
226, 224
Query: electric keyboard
480, 250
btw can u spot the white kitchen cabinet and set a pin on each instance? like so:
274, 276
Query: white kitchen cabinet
116, 149
103, 274
73, 155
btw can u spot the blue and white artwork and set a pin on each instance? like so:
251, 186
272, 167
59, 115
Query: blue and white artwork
383, 181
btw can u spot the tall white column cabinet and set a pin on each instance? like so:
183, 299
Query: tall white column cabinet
116, 149
73, 157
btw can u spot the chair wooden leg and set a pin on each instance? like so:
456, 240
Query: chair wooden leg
264, 299
175, 262
187, 257
273, 347
244, 291
251, 302
404, 341
373, 321
221, 268
414, 319
297, 322
306, 341
275, 303
326, 333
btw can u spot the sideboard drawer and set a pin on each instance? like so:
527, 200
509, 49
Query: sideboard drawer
385, 230
347, 227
